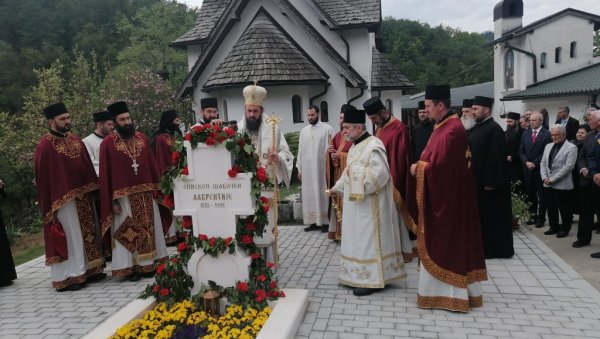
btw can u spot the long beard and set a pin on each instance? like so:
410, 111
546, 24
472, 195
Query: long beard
253, 124
126, 131
468, 122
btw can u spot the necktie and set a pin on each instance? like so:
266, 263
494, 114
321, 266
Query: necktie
533, 137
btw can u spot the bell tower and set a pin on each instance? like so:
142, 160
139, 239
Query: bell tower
508, 15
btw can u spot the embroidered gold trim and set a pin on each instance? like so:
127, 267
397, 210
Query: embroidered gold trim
135, 189
77, 192
54, 260
387, 281
371, 261
450, 304
377, 235
408, 219
69, 146
87, 223
80, 279
122, 272
438, 125
434, 269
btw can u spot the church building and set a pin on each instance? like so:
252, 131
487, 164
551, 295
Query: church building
322, 52
546, 64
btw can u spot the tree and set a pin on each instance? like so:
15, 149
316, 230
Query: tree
596, 43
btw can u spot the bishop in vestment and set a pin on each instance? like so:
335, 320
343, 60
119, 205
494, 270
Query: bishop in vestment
274, 155
163, 142
492, 181
129, 188
65, 180
312, 145
336, 163
371, 254
452, 262
396, 139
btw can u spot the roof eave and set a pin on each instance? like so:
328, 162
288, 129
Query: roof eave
264, 83
391, 88
548, 95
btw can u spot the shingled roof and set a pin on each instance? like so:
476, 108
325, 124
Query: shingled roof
208, 15
384, 76
343, 13
264, 53
583, 81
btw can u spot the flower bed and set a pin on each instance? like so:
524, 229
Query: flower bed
183, 320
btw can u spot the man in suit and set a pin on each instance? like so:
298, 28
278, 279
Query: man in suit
588, 192
556, 166
569, 123
533, 142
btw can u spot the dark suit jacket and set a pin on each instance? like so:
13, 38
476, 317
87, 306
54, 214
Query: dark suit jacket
571, 127
533, 152
587, 159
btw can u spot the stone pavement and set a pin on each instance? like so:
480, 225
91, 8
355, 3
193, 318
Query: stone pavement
534, 295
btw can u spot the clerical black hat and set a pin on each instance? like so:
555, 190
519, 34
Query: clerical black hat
467, 103
346, 108
101, 116
55, 110
483, 101
513, 115
208, 102
437, 92
373, 106
117, 108
167, 117
355, 116
421, 105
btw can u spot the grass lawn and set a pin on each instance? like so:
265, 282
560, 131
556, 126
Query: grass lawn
28, 247
28, 254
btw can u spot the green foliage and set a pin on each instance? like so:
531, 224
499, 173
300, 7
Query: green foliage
172, 283
293, 138
439, 54
520, 205
596, 43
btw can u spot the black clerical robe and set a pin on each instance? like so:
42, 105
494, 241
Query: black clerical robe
513, 142
7, 265
488, 149
420, 137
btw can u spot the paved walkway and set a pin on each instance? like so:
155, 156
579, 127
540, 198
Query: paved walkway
534, 295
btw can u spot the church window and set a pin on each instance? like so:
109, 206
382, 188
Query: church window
389, 105
509, 70
297, 109
572, 54
543, 60
324, 111
557, 54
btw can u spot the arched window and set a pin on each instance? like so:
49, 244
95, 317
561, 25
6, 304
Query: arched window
573, 52
297, 109
509, 70
324, 111
225, 117
389, 106
557, 54
543, 60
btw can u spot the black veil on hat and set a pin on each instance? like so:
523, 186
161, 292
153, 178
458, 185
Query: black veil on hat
346, 108
513, 116
467, 103
117, 108
55, 110
421, 105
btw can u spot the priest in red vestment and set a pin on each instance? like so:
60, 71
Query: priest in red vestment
163, 142
65, 180
449, 237
129, 190
396, 139
336, 157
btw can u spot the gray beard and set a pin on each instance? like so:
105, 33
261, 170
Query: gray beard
468, 123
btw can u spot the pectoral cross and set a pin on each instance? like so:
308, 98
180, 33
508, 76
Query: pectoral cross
135, 166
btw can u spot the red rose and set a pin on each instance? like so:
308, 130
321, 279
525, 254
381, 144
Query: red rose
255, 255
164, 292
241, 142
232, 173
216, 128
264, 200
261, 174
261, 295
168, 201
281, 293
270, 264
266, 208
160, 269
188, 136
229, 131
210, 141
198, 129
172, 274
185, 171
182, 246
237, 168
247, 239
156, 288
261, 277
202, 237
242, 286
251, 226
228, 241
212, 241
175, 260
174, 158
187, 222
273, 284
275, 294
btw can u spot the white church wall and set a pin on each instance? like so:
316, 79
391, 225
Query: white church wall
193, 53
310, 14
361, 55
577, 106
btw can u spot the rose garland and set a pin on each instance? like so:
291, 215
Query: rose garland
261, 286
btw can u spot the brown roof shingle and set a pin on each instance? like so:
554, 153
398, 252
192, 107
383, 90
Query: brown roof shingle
341, 13
385, 76
209, 14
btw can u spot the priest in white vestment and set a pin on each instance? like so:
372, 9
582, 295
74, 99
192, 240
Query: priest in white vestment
371, 253
274, 155
103, 127
312, 170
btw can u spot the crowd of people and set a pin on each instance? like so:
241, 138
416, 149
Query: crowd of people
440, 192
